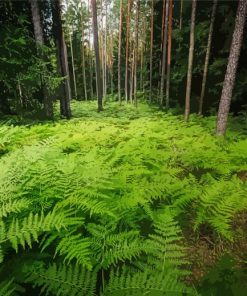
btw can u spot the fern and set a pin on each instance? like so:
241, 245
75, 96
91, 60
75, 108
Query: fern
63, 280
144, 283
7, 288
25, 231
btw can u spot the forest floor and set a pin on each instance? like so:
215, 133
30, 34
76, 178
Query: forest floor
127, 158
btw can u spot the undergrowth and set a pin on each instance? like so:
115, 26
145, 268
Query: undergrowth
108, 203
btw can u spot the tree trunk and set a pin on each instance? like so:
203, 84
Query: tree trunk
127, 52
163, 68
169, 56
73, 65
136, 49
119, 50
90, 60
151, 52
39, 38
105, 50
132, 72
205, 71
181, 15
190, 61
232, 65
162, 35
83, 58
62, 60
97, 60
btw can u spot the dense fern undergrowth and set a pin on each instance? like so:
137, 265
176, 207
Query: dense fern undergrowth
123, 202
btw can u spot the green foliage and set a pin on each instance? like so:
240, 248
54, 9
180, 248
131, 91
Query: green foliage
110, 195
62, 280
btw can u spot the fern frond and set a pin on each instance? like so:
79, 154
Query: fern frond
143, 283
63, 280
25, 231
75, 247
13, 206
7, 288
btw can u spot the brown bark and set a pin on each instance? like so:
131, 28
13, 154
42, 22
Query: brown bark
39, 38
38, 30
181, 15
151, 52
162, 83
119, 50
136, 49
83, 57
231, 70
169, 56
205, 71
127, 52
97, 60
73, 65
190, 61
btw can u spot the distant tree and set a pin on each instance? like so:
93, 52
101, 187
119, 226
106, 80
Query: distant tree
205, 71
127, 51
231, 70
169, 56
151, 51
65, 98
39, 38
119, 49
136, 48
164, 51
97, 59
190, 61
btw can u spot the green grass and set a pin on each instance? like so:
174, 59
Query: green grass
100, 184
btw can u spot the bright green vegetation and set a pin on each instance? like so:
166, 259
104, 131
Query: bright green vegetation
113, 203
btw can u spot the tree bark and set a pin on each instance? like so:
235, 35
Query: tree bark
169, 56
151, 52
231, 70
127, 52
205, 71
39, 38
83, 57
119, 50
73, 65
62, 60
181, 15
162, 83
136, 49
190, 61
97, 60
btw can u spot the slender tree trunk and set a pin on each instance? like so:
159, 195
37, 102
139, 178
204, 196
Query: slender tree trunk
97, 60
151, 52
83, 58
119, 50
105, 49
190, 61
169, 56
205, 71
73, 65
136, 49
141, 69
181, 14
62, 60
111, 72
127, 52
132, 73
231, 70
90, 60
163, 68
162, 33
39, 38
